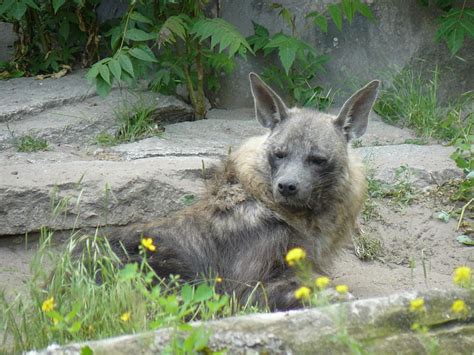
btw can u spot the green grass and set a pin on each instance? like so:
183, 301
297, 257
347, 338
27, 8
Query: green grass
414, 102
86, 309
29, 143
136, 121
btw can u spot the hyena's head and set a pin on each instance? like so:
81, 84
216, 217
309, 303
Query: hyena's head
306, 150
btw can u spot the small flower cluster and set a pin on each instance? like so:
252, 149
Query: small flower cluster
147, 243
295, 258
462, 277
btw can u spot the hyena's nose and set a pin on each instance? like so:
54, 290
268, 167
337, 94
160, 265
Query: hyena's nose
287, 188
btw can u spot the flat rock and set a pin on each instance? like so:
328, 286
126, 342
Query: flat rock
425, 164
27, 95
94, 193
79, 123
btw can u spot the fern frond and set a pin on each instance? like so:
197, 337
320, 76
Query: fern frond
221, 33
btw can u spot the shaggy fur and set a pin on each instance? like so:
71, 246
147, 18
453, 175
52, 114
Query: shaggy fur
244, 225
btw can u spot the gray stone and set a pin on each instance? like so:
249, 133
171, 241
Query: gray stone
427, 164
23, 96
402, 35
79, 123
381, 325
93, 193
7, 39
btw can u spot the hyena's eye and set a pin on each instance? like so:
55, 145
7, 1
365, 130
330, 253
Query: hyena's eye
317, 160
279, 154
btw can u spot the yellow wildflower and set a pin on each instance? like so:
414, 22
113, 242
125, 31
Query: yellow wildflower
48, 305
302, 292
342, 289
322, 282
295, 255
218, 279
147, 243
125, 317
459, 306
462, 275
417, 305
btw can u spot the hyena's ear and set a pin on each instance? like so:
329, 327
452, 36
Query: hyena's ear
269, 107
354, 115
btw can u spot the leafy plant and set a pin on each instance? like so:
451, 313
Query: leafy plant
191, 47
299, 62
51, 34
455, 24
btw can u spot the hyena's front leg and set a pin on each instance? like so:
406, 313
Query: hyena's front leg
280, 294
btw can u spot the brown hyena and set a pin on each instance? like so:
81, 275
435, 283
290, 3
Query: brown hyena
299, 185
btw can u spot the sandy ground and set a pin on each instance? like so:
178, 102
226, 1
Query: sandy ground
419, 252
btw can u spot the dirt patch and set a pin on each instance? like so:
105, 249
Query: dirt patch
419, 252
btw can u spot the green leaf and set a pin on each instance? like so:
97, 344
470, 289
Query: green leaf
365, 10
221, 33
6, 5
32, 4
93, 72
455, 40
115, 68
465, 239
260, 38
142, 54
102, 87
287, 48
187, 293
136, 34
172, 27
136, 16
57, 4
104, 73
86, 350
468, 25
203, 292
319, 20
75, 310
126, 64
336, 15
19, 10
75, 327
129, 272
349, 9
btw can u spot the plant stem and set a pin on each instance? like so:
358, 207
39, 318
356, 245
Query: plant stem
200, 104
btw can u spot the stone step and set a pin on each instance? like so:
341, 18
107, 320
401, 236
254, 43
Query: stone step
94, 193
79, 123
23, 96
136, 190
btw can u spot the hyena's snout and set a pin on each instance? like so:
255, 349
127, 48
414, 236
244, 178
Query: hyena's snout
287, 187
